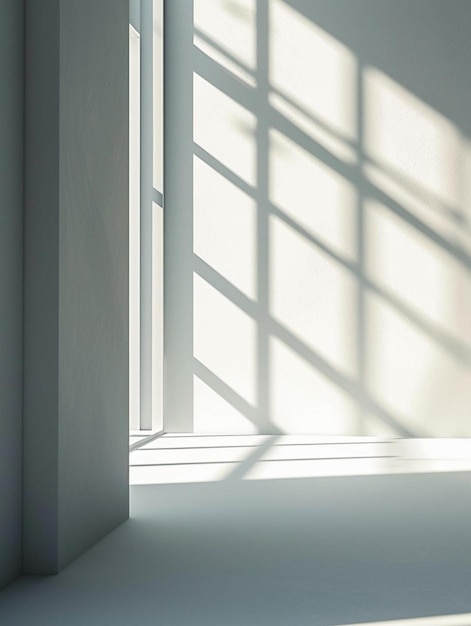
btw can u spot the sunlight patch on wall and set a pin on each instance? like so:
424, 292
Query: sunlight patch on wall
224, 227
369, 282
230, 26
424, 386
224, 61
303, 399
225, 129
224, 339
326, 139
418, 273
418, 331
312, 69
319, 199
313, 297
411, 139
427, 208
213, 414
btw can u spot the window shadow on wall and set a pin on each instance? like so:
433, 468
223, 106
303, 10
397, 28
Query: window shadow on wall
330, 227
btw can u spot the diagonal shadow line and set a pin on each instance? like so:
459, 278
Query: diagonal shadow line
227, 393
246, 96
453, 346
207, 67
368, 188
223, 170
341, 380
248, 306
416, 189
322, 124
222, 79
245, 465
289, 221
361, 183
373, 192
158, 197
458, 349
226, 288
145, 439
209, 40
306, 142
457, 252
328, 128
290, 101
232, 177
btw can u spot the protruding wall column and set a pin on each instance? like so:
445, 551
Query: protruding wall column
178, 216
76, 278
11, 283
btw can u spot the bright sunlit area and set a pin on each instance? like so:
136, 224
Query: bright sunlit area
181, 458
317, 241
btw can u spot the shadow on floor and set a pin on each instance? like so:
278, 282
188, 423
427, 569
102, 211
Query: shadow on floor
300, 552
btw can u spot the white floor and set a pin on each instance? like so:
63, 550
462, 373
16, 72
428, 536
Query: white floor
368, 532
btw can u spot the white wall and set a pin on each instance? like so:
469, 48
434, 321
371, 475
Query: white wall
318, 231
11, 283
